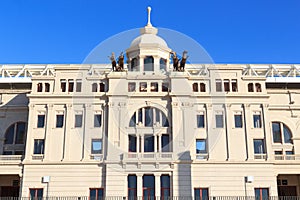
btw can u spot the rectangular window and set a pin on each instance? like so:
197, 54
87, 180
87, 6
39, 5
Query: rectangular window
97, 120
261, 193
38, 146
102, 87
63, 85
148, 143
41, 121
165, 187
226, 85
234, 87
201, 146
40, 87
131, 143
276, 132
218, 85
96, 146
200, 121
96, 193
78, 85
143, 87
257, 121
165, 87
219, 121
238, 121
71, 85
259, 146
59, 120
78, 120
131, 87
154, 87
165, 143
148, 117
132, 187
36, 193
201, 193
47, 87
94, 87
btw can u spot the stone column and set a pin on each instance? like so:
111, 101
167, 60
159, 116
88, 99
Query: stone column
139, 189
157, 184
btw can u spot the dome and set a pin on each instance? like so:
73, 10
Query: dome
148, 39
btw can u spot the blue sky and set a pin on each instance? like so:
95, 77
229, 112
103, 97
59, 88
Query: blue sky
231, 31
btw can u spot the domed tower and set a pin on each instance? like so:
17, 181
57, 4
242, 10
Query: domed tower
148, 52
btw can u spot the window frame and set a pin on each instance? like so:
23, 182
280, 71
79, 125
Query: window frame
257, 122
40, 149
78, 124
219, 119
42, 125
95, 151
97, 120
60, 120
201, 151
97, 197
201, 190
36, 190
200, 120
238, 123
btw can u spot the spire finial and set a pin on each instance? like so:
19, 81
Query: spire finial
149, 12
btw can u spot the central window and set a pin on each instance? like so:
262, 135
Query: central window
149, 63
149, 119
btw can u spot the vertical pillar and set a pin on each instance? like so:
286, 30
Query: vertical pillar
157, 185
142, 144
139, 189
155, 143
159, 143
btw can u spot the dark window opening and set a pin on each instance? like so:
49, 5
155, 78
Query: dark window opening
63, 85
38, 146
202, 87
200, 121
78, 120
131, 87
40, 87
41, 121
149, 63
218, 85
94, 87
59, 121
195, 87
238, 121
102, 87
250, 87
154, 87
226, 85
97, 120
71, 85
234, 87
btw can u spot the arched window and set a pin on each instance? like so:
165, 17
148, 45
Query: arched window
258, 87
149, 117
195, 87
162, 64
14, 142
134, 64
102, 87
202, 87
281, 133
250, 87
94, 87
149, 63
40, 87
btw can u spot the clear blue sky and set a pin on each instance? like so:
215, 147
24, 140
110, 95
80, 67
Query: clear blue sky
231, 31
